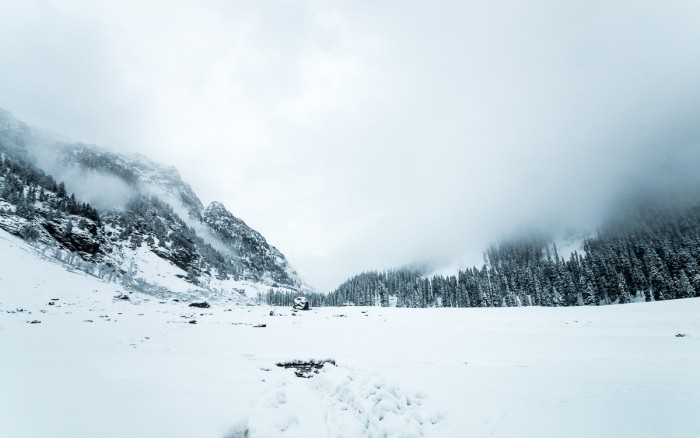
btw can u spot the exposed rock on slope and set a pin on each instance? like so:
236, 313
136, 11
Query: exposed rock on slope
149, 228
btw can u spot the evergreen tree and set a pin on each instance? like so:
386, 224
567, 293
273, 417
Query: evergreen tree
684, 289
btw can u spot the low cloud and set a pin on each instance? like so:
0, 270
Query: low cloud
371, 135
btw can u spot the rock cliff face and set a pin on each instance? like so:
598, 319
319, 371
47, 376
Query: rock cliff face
127, 217
254, 253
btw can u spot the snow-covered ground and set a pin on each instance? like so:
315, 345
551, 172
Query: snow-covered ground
99, 366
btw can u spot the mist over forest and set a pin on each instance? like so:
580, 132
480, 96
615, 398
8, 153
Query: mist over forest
358, 136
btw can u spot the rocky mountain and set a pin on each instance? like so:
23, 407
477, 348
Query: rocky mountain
256, 255
128, 219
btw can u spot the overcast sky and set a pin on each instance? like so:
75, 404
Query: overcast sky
371, 134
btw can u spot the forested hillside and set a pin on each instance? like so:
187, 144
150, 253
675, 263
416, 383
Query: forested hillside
649, 253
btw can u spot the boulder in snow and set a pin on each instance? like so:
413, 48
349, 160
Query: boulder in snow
301, 303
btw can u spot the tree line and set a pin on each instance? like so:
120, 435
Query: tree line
647, 254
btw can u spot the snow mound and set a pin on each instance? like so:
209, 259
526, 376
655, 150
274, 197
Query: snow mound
337, 402
365, 404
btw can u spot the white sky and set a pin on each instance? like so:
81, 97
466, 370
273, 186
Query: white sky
370, 134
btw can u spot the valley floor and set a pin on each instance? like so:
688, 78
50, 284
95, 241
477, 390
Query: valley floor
96, 366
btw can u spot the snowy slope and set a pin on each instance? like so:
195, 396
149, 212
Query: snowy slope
45, 183
140, 369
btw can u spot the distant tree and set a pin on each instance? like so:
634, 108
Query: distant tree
623, 293
683, 287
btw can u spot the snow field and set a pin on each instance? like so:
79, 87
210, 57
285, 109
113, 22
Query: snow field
100, 366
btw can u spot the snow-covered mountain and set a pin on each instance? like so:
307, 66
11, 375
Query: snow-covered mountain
128, 219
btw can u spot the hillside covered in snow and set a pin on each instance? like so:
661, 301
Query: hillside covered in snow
128, 219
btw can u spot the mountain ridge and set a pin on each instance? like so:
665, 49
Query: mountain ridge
125, 209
